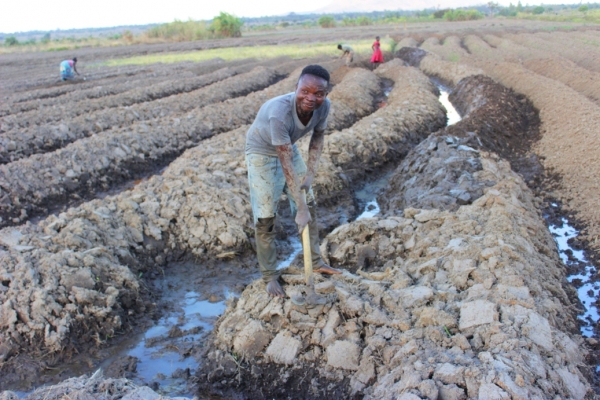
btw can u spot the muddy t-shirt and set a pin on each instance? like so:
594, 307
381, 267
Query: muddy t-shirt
277, 124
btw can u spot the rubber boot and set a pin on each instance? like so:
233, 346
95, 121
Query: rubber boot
266, 248
315, 242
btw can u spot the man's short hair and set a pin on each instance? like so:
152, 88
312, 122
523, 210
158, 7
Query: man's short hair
315, 70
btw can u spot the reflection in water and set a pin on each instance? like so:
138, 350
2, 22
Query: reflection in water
451, 113
587, 290
371, 210
158, 350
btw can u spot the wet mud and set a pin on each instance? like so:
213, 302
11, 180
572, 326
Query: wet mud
561, 129
392, 323
114, 246
454, 288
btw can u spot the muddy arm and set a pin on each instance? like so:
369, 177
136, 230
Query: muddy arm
285, 154
314, 154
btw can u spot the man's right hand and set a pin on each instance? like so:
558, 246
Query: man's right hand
302, 218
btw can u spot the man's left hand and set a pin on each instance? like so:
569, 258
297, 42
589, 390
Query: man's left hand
307, 183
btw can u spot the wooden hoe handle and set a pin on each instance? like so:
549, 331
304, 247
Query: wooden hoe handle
308, 268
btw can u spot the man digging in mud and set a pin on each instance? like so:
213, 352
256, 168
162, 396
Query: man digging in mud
275, 166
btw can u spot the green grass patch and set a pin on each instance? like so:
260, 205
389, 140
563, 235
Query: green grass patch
454, 57
591, 42
592, 16
260, 52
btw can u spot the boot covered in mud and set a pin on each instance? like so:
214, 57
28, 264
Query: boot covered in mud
266, 248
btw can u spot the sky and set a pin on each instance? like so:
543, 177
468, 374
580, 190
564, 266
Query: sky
46, 15
28, 15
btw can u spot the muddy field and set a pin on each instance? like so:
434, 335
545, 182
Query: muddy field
469, 246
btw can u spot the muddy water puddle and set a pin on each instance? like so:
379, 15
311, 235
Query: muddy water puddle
452, 116
588, 289
193, 296
386, 88
165, 353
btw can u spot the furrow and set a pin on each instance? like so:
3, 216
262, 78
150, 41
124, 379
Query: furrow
455, 301
15, 145
568, 140
95, 163
98, 88
88, 260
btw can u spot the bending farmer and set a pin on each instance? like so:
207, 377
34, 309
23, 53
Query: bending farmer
66, 69
348, 53
275, 166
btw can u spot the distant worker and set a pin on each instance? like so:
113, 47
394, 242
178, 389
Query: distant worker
348, 52
66, 69
377, 57
275, 166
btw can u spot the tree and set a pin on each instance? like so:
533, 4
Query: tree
226, 25
519, 6
440, 13
127, 35
46, 38
538, 10
584, 8
492, 6
326, 21
363, 21
11, 41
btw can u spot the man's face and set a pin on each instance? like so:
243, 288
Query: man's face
311, 92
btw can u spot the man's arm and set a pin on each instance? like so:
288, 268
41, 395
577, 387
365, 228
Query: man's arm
285, 154
314, 155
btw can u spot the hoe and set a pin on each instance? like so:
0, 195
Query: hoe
312, 299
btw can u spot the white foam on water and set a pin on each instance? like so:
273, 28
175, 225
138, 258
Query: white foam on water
589, 291
371, 210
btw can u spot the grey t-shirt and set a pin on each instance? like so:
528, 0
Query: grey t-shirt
277, 124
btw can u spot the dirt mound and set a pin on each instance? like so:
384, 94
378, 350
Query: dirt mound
89, 260
447, 182
55, 134
467, 302
505, 122
411, 55
459, 298
562, 127
450, 73
92, 388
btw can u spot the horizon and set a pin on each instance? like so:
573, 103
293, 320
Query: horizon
100, 15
